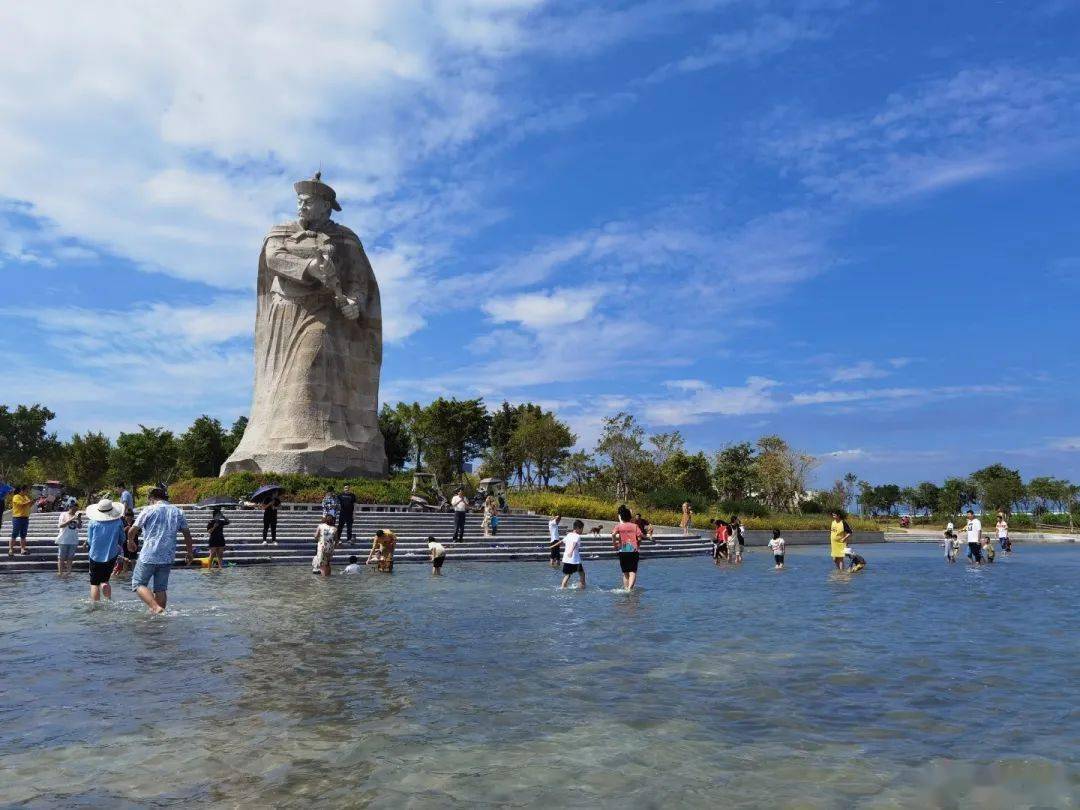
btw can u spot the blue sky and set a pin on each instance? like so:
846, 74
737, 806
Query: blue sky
852, 224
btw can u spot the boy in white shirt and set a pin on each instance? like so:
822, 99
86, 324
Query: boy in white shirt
555, 540
438, 556
777, 545
354, 565
571, 557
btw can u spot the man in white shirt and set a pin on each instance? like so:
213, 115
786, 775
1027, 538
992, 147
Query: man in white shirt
974, 537
571, 557
556, 541
461, 508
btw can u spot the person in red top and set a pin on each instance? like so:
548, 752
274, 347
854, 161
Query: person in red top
626, 538
723, 530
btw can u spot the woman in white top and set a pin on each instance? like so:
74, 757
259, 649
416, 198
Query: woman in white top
1003, 533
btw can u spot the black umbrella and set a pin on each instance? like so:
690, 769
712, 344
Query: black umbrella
217, 500
265, 494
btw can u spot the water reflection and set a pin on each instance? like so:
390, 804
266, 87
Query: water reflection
488, 687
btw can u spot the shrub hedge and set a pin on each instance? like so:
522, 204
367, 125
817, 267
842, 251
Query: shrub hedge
589, 508
297, 488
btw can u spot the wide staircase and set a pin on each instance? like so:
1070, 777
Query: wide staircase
520, 537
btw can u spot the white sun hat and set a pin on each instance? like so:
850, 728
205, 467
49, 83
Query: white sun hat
105, 510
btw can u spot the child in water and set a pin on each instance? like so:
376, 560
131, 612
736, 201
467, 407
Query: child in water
952, 544
777, 546
988, 549
854, 561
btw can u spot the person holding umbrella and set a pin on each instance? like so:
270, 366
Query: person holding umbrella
269, 502
216, 530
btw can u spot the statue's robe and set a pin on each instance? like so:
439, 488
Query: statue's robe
315, 404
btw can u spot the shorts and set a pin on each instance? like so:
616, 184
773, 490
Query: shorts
101, 571
66, 551
19, 527
628, 561
572, 568
556, 554
975, 551
144, 572
438, 561
778, 559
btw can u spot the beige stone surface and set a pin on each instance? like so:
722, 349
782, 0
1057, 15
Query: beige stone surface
318, 350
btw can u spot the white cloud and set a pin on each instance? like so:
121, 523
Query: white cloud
910, 394
544, 310
845, 455
1070, 444
155, 361
697, 402
863, 370
173, 139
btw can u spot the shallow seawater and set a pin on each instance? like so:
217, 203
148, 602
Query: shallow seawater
910, 684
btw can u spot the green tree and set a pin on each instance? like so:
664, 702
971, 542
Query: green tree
956, 493
927, 496
667, 445
622, 446
581, 471
733, 471
202, 447
23, 435
149, 456
235, 434
1046, 493
908, 496
396, 439
689, 473
998, 487
458, 432
780, 473
504, 457
415, 419
886, 497
87, 462
840, 495
543, 444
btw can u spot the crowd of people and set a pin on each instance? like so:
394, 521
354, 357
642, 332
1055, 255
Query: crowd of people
980, 548
119, 541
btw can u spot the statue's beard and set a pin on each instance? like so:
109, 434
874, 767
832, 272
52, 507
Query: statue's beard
308, 221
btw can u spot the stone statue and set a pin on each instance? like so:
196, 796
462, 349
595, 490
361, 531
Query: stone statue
318, 350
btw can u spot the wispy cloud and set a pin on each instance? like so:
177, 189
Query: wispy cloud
869, 370
975, 124
769, 35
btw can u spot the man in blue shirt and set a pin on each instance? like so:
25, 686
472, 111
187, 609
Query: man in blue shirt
157, 525
104, 534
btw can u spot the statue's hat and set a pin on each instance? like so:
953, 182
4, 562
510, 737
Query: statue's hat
317, 188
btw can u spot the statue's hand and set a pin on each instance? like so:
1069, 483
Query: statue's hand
351, 309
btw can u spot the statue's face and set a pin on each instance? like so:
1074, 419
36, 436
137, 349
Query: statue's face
311, 208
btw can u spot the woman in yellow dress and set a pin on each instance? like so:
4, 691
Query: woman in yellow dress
839, 534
